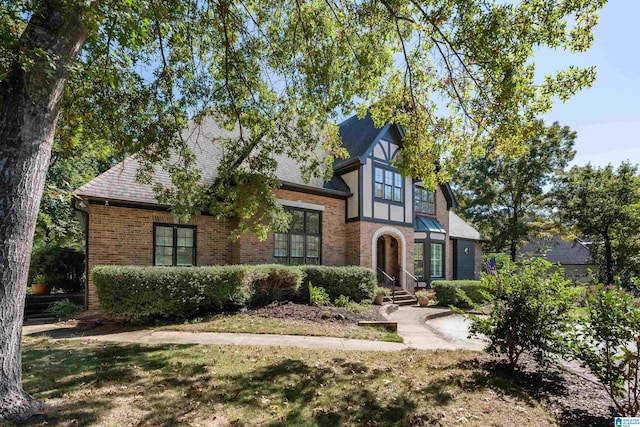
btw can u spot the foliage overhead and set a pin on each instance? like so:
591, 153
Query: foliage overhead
455, 74
604, 204
506, 196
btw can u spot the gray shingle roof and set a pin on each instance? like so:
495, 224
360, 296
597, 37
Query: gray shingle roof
357, 136
119, 182
556, 250
460, 229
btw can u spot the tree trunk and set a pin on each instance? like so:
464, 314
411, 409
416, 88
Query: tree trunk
29, 105
608, 259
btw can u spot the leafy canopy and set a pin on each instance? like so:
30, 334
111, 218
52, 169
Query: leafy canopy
604, 204
455, 74
506, 196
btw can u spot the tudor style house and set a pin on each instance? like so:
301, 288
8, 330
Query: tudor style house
366, 215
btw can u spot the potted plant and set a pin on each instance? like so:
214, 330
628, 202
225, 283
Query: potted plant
40, 285
380, 294
423, 298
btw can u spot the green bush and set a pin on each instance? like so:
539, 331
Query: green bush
447, 292
64, 307
274, 283
342, 301
529, 308
356, 283
170, 292
318, 296
63, 267
608, 344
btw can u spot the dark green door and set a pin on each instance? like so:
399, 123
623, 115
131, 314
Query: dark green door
464, 259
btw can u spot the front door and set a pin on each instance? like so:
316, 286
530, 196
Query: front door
381, 258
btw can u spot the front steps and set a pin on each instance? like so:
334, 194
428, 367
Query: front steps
402, 297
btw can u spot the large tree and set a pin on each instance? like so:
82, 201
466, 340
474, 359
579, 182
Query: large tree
604, 204
506, 196
133, 73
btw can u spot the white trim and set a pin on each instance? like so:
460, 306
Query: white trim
300, 204
374, 248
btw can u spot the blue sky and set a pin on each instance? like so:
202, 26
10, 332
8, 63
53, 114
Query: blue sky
607, 115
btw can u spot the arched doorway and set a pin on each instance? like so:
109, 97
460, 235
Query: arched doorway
387, 259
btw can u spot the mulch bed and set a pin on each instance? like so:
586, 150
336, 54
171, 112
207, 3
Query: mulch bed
316, 314
572, 399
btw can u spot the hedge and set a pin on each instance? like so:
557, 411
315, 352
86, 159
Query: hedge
357, 283
183, 292
446, 292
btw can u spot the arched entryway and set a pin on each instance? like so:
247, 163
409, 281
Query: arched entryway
389, 249
387, 259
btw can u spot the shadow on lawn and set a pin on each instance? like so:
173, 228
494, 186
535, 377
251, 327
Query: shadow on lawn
168, 384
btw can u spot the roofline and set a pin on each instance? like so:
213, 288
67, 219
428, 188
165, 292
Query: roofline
354, 163
449, 196
314, 190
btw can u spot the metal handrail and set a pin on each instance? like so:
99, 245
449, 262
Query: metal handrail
411, 275
393, 284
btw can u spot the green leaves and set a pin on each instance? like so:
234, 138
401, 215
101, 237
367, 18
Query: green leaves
506, 196
604, 204
458, 76
529, 305
607, 342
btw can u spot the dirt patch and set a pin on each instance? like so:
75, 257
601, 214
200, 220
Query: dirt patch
316, 314
572, 399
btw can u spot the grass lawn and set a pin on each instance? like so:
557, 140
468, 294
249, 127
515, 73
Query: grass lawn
89, 383
266, 325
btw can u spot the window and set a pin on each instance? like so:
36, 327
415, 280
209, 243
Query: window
418, 259
301, 244
174, 245
424, 201
388, 185
436, 258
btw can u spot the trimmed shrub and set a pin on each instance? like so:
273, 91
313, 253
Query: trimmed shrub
273, 283
183, 292
447, 292
63, 267
357, 283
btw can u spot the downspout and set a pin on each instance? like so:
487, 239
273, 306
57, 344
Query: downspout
84, 212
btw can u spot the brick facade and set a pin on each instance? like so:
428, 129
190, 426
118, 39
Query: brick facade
124, 236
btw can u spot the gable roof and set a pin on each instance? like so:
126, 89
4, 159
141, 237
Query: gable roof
119, 183
556, 250
460, 229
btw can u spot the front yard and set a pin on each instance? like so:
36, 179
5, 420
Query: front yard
89, 383
295, 319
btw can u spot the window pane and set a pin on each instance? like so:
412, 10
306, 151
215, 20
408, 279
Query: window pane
313, 222
184, 256
296, 261
313, 246
281, 247
164, 255
185, 237
388, 177
297, 221
378, 190
297, 246
164, 236
398, 179
418, 259
387, 192
436, 260
397, 194
379, 175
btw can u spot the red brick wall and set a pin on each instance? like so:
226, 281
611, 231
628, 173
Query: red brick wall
249, 250
124, 236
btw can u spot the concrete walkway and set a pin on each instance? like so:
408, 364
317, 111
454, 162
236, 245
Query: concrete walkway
411, 327
440, 331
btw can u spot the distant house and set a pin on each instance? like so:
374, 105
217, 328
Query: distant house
574, 256
368, 215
